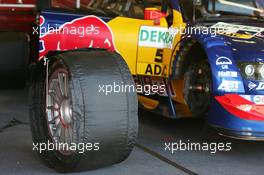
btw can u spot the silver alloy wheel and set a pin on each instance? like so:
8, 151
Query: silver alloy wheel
59, 109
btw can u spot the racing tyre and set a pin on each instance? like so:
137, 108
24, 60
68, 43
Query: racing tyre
197, 87
68, 106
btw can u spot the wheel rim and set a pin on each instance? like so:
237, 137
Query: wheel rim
199, 86
200, 83
59, 109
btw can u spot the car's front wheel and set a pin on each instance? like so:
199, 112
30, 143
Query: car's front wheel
198, 87
85, 128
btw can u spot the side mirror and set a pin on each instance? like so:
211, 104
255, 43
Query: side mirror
153, 14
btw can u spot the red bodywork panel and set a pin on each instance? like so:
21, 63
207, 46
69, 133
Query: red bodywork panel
97, 34
17, 15
241, 107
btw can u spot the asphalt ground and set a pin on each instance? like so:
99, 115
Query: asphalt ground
150, 156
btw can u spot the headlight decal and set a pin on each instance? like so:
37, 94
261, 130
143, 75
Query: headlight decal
252, 71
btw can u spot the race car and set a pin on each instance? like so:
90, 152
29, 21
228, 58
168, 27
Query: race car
206, 57
200, 58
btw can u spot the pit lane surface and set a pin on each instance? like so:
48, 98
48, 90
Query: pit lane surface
149, 156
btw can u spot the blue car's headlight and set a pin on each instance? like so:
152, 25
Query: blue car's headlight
249, 70
261, 71
252, 71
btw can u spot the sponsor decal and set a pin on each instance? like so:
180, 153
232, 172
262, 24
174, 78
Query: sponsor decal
251, 85
261, 35
259, 99
232, 74
254, 86
247, 97
229, 86
260, 86
224, 62
236, 28
156, 37
41, 20
237, 31
246, 108
156, 69
159, 56
85, 32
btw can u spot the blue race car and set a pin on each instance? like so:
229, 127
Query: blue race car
225, 66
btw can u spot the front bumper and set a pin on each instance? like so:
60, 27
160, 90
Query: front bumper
240, 135
238, 116
241, 107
